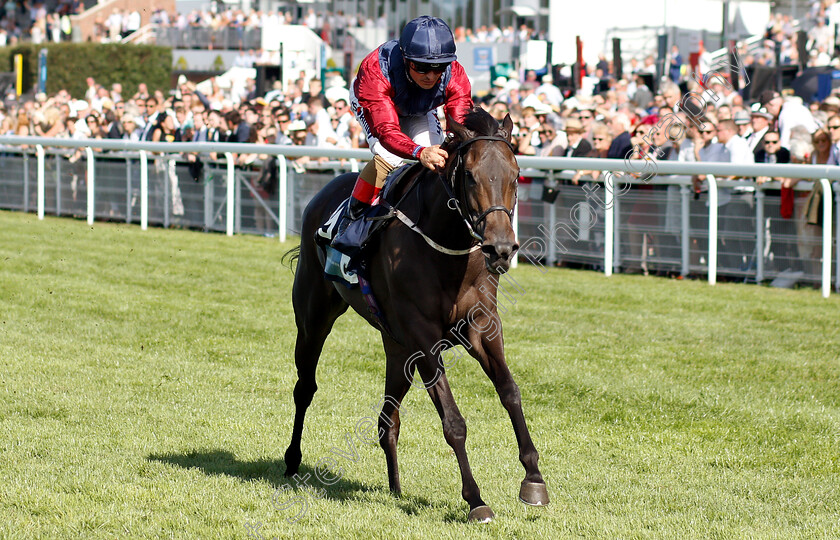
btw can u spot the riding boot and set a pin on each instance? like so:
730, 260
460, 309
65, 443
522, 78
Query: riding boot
355, 210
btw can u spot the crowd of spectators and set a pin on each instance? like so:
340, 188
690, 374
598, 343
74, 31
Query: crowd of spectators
606, 118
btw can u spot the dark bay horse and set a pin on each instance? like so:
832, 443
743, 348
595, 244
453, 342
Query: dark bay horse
428, 297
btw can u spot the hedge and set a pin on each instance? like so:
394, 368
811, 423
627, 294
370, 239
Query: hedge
69, 64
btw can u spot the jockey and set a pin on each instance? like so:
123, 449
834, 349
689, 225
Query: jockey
394, 97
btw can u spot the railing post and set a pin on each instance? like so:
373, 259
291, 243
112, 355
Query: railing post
128, 190
209, 193
25, 202
91, 183
237, 197
713, 228
837, 241
354, 165
609, 224
39, 150
231, 190
163, 163
828, 204
144, 190
282, 183
57, 185
759, 235
552, 228
685, 230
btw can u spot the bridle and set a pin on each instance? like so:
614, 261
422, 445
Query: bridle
457, 182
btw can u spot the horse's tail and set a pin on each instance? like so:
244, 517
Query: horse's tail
291, 258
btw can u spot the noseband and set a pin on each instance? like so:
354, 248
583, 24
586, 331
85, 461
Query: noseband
458, 181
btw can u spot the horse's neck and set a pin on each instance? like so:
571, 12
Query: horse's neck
435, 217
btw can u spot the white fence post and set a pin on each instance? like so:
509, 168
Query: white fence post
144, 190
231, 185
283, 181
40, 151
91, 182
828, 203
609, 223
713, 228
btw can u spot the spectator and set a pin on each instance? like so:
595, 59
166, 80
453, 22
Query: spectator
742, 120
619, 126
733, 204
675, 63
577, 146
130, 131
550, 142
833, 127
760, 121
773, 152
788, 114
239, 130
602, 142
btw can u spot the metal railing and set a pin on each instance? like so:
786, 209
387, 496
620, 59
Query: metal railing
617, 223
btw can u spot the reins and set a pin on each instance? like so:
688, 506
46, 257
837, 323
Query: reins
471, 221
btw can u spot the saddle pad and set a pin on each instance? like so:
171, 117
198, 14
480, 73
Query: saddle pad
335, 262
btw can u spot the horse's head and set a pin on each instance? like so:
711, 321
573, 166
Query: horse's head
483, 174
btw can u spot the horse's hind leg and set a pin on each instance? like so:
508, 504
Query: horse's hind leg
317, 305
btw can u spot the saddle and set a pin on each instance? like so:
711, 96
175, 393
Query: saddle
347, 263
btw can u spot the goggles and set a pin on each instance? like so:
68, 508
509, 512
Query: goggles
423, 68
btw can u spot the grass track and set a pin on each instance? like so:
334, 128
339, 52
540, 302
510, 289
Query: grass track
146, 381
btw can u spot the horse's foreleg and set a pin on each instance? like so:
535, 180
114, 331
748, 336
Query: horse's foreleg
488, 349
396, 387
455, 432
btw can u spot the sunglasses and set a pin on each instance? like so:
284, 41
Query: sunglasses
834, 127
598, 139
640, 132
771, 142
426, 68
587, 117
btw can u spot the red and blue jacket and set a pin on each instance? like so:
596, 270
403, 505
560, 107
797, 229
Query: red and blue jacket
385, 93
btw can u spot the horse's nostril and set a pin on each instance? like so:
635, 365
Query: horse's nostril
502, 250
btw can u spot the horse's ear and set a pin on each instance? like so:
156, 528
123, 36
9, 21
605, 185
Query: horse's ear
459, 130
506, 128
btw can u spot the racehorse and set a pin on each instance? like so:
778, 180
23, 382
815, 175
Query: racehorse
430, 280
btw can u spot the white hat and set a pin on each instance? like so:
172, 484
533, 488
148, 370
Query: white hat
534, 102
500, 81
337, 92
297, 125
78, 105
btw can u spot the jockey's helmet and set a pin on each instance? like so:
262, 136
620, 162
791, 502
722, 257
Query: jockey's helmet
428, 40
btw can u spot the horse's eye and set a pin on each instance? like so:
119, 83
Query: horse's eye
470, 178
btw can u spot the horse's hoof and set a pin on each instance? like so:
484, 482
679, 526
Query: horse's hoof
292, 461
481, 514
533, 493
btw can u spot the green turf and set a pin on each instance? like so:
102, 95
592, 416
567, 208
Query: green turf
146, 391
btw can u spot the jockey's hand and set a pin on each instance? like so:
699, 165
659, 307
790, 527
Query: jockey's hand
433, 157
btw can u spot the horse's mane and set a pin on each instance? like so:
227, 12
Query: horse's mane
480, 122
